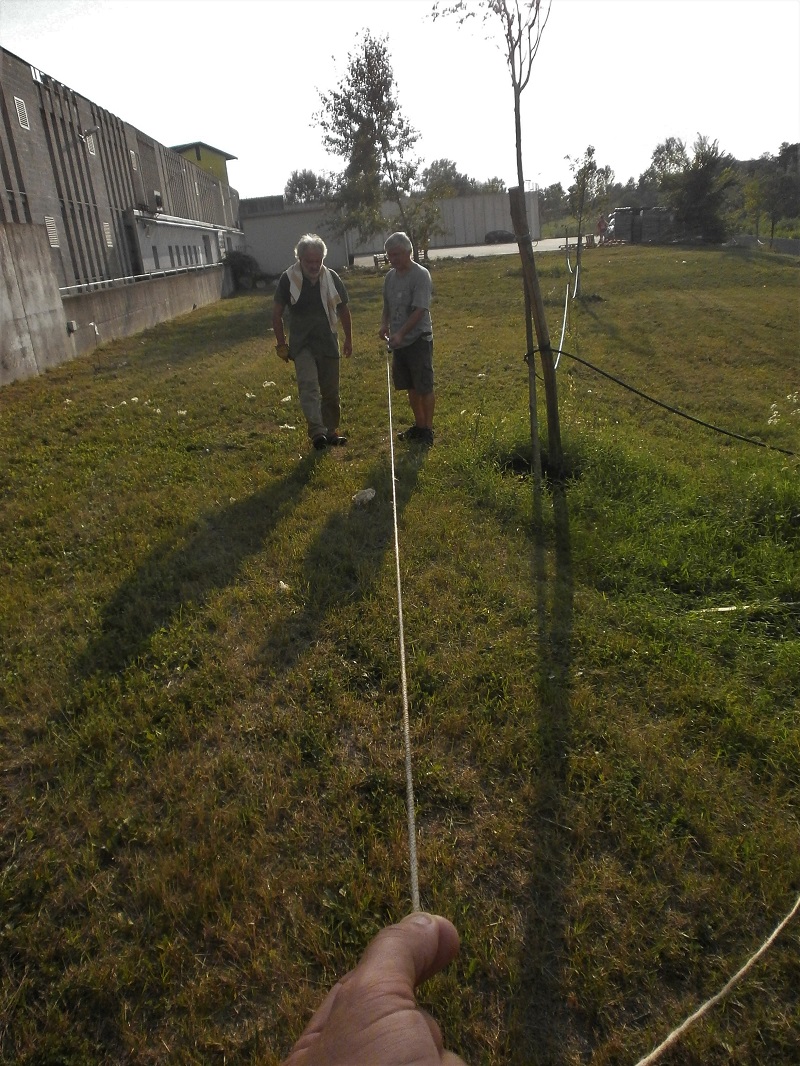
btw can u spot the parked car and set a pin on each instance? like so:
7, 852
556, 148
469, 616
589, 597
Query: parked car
499, 236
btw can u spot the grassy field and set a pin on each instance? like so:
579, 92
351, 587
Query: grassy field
202, 795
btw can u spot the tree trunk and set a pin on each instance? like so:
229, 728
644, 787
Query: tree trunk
519, 217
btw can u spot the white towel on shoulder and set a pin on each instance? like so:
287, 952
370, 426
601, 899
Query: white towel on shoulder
328, 291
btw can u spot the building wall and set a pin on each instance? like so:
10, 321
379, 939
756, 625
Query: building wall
33, 333
271, 232
271, 228
105, 314
40, 327
91, 179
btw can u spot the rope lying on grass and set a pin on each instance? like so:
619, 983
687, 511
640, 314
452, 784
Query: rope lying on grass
412, 831
666, 406
676, 1034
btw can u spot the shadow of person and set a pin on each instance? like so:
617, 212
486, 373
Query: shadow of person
541, 1024
343, 563
186, 569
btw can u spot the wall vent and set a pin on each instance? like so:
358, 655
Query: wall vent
52, 231
90, 143
22, 113
109, 238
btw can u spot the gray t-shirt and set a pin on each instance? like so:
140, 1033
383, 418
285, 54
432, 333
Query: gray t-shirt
402, 294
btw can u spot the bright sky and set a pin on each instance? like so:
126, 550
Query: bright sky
243, 75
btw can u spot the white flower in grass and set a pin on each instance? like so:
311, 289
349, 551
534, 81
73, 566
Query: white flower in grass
182, 412
286, 399
134, 399
267, 384
250, 395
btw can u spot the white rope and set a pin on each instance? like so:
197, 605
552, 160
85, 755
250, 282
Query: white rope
412, 830
563, 329
676, 1034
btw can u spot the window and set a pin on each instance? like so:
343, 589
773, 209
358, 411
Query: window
171, 257
109, 237
52, 232
158, 200
134, 164
155, 258
22, 113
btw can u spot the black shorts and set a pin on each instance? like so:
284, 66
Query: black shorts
412, 366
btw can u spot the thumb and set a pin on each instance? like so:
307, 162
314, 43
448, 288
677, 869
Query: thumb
413, 950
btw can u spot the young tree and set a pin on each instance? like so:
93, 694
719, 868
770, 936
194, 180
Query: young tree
522, 25
581, 194
304, 187
362, 122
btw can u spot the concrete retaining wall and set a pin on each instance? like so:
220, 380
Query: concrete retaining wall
33, 336
106, 314
39, 329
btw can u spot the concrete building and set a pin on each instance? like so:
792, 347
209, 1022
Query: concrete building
272, 227
115, 208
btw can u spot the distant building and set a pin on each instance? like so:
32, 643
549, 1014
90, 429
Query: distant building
272, 227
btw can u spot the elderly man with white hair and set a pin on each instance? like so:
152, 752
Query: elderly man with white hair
317, 302
407, 329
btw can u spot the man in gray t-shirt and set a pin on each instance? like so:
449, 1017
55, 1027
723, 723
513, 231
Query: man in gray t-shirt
406, 327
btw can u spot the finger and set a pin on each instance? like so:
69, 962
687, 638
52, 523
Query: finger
435, 1031
413, 950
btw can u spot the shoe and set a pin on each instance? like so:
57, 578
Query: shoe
425, 438
335, 440
412, 433
320, 442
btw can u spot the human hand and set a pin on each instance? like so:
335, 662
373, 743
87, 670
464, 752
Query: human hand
348, 349
371, 1018
283, 352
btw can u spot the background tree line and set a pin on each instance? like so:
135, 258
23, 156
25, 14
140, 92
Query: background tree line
711, 194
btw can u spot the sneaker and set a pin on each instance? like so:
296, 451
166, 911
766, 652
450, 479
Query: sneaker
412, 433
320, 442
425, 438
334, 439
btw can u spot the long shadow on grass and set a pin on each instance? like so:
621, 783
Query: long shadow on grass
343, 563
186, 569
542, 1026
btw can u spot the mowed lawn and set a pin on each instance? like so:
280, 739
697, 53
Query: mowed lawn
203, 791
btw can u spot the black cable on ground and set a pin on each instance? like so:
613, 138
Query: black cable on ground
666, 406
